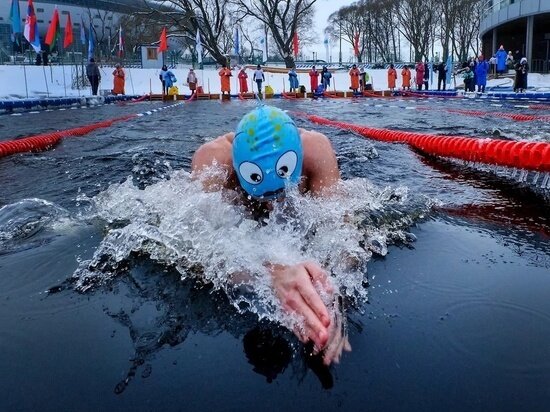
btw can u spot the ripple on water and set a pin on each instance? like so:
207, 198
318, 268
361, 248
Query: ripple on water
505, 335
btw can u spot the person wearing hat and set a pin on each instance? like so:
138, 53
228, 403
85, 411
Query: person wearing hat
354, 77
94, 76
265, 157
501, 60
520, 82
482, 69
192, 80
118, 80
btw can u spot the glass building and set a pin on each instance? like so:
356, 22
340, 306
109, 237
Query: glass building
521, 26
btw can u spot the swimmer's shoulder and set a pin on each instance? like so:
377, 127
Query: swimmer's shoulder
217, 151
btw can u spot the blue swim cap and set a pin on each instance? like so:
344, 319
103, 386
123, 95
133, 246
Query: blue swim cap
267, 152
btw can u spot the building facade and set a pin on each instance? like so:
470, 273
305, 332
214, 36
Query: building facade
521, 26
104, 15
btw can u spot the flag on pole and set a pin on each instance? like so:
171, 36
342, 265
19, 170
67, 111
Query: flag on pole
91, 41
295, 44
163, 46
120, 43
53, 30
263, 43
82, 32
236, 41
31, 28
68, 37
356, 44
198, 47
449, 69
15, 17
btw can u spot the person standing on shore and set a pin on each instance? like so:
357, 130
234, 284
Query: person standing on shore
192, 80
118, 80
354, 77
392, 77
259, 78
313, 79
243, 81
406, 74
94, 77
225, 74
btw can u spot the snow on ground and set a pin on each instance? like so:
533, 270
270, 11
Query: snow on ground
57, 81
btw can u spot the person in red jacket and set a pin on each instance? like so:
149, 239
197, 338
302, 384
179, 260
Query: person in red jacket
313, 79
354, 77
243, 81
419, 75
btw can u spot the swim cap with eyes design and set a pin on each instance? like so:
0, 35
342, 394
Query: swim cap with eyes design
267, 152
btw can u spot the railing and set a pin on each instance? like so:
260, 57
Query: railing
540, 66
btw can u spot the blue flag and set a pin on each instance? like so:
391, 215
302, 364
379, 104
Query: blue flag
82, 33
237, 45
91, 45
449, 69
15, 17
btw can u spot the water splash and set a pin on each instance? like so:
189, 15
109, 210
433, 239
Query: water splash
175, 223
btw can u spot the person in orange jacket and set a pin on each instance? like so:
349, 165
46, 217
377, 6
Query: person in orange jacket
313, 79
225, 74
354, 75
118, 80
406, 73
392, 77
243, 81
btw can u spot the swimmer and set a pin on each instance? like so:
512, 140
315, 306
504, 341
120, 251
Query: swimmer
266, 155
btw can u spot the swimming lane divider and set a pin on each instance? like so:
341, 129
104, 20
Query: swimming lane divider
524, 155
48, 140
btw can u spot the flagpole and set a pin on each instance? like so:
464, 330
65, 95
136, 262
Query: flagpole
131, 80
64, 80
46, 80
25, 74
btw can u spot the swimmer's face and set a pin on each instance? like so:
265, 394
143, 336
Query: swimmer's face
267, 153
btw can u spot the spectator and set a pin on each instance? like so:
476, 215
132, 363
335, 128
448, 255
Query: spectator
441, 70
493, 64
426, 75
364, 79
192, 80
501, 60
313, 79
225, 74
92, 72
325, 78
510, 61
406, 74
259, 78
162, 74
118, 80
468, 77
482, 69
419, 75
243, 81
354, 77
293, 79
522, 68
392, 77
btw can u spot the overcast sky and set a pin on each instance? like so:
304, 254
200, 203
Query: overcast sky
323, 9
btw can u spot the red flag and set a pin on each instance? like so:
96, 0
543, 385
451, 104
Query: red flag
295, 44
356, 44
53, 30
163, 46
68, 38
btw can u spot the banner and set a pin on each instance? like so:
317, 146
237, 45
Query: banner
91, 41
198, 47
31, 28
163, 43
15, 17
68, 37
53, 30
295, 44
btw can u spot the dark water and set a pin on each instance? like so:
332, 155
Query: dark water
457, 320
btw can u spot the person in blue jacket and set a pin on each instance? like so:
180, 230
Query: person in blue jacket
167, 78
325, 78
293, 79
482, 69
501, 60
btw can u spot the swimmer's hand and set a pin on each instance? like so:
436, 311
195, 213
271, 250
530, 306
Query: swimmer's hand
298, 287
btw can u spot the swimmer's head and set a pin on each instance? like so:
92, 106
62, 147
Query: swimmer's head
267, 153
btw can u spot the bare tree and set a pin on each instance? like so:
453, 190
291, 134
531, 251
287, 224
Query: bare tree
212, 18
283, 18
416, 21
466, 30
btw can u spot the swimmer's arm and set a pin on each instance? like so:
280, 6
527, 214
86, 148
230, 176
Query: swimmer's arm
206, 157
